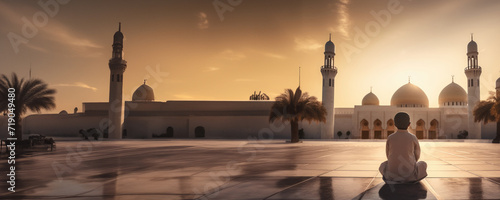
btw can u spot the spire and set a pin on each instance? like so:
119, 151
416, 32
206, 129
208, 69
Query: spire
119, 26
145, 81
471, 36
452, 78
330, 39
371, 87
409, 79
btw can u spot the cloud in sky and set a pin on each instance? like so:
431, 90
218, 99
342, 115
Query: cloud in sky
211, 69
273, 55
76, 84
306, 44
52, 30
183, 96
344, 21
244, 80
232, 55
202, 20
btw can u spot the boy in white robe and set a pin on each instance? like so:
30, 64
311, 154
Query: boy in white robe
403, 152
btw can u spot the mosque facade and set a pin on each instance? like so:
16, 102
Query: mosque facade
145, 117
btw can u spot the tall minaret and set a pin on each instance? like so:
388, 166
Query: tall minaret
116, 67
329, 71
473, 73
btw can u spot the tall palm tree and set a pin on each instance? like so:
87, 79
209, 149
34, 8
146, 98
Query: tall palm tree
489, 111
31, 94
295, 107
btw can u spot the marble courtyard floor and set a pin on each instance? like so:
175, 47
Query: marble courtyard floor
248, 169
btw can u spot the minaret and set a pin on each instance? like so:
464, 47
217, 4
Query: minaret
473, 73
116, 67
329, 71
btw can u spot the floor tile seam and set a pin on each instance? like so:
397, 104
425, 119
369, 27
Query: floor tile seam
465, 157
429, 186
103, 195
301, 182
368, 187
65, 196
460, 169
482, 177
220, 189
470, 171
293, 185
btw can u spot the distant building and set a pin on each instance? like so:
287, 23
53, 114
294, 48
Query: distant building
145, 117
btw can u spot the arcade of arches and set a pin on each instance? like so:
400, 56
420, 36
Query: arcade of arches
376, 130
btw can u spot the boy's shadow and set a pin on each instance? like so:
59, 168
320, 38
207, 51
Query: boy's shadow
403, 191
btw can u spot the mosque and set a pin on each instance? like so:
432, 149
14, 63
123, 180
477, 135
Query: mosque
146, 117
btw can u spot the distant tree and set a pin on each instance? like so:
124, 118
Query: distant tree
463, 134
84, 134
260, 96
295, 107
31, 94
339, 134
348, 133
489, 111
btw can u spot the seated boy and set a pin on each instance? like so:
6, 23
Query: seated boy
403, 152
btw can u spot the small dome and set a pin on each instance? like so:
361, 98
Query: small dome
452, 94
329, 47
409, 95
118, 37
63, 112
498, 84
472, 47
143, 93
370, 99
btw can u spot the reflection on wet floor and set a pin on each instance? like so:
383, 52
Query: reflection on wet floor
190, 169
402, 191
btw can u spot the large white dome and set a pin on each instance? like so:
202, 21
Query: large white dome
453, 94
409, 95
143, 93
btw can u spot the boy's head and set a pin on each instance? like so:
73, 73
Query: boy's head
402, 120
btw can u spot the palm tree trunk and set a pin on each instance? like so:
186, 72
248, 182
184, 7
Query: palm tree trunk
497, 138
295, 131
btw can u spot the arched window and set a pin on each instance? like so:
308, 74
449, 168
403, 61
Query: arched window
433, 130
330, 84
199, 132
377, 129
170, 132
365, 130
390, 127
112, 77
420, 129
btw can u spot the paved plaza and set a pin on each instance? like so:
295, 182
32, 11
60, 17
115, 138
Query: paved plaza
248, 169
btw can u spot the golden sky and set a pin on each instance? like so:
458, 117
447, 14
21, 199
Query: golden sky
226, 50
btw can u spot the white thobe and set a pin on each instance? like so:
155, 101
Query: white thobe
403, 151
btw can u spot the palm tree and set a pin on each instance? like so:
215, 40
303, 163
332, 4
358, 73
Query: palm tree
489, 111
295, 107
31, 94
